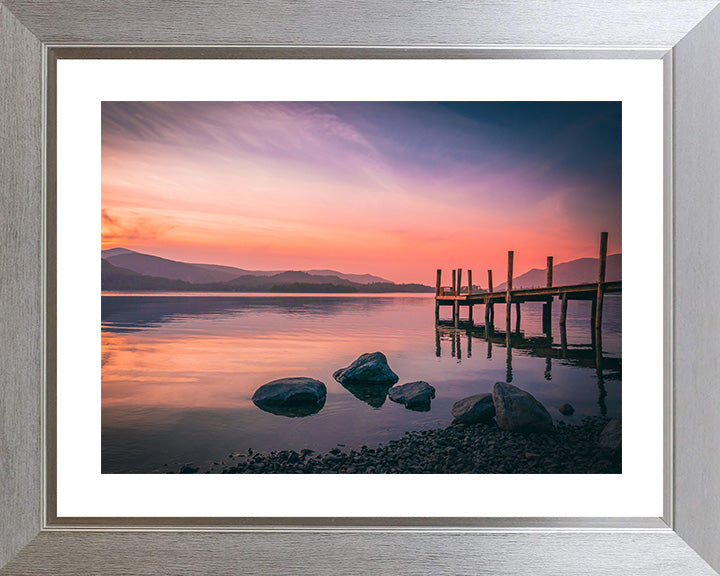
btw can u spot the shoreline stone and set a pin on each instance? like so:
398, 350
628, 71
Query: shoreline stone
566, 410
611, 436
414, 395
474, 409
519, 411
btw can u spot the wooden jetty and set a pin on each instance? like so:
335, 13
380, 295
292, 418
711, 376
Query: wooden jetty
458, 296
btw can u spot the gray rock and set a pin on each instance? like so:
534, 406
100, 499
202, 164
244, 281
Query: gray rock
291, 396
519, 411
415, 395
611, 437
474, 409
371, 368
566, 410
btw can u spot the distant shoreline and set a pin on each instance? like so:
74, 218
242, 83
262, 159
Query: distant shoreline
157, 293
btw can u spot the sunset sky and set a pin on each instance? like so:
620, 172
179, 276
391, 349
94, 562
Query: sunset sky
396, 189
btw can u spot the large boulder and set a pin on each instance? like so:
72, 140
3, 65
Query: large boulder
519, 411
474, 409
611, 436
414, 395
291, 396
371, 368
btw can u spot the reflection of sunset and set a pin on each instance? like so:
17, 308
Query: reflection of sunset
394, 189
176, 368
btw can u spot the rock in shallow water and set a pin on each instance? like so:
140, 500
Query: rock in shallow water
415, 395
291, 396
566, 410
519, 411
371, 368
474, 409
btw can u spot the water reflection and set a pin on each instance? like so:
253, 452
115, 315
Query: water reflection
372, 394
580, 355
293, 411
178, 373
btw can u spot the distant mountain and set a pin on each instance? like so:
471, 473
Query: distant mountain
162, 267
115, 278
358, 278
126, 270
197, 273
115, 251
289, 277
235, 272
580, 271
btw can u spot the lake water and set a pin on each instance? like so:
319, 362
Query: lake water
178, 371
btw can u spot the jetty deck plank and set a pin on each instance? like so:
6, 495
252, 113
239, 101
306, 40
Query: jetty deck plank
574, 291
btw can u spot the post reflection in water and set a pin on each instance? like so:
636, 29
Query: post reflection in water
548, 368
599, 371
580, 355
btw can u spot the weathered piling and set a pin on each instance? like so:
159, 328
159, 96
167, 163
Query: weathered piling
508, 297
601, 280
470, 291
489, 308
563, 309
547, 307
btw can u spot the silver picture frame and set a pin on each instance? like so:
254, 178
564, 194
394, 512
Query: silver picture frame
685, 34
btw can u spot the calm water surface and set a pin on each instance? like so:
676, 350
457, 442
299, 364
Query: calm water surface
178, 371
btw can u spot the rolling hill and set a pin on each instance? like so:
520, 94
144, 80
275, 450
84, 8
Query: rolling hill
577, 271
126, 270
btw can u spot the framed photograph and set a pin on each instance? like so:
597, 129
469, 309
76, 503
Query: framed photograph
252, 290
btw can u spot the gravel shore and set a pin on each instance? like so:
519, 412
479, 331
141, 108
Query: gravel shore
457, 449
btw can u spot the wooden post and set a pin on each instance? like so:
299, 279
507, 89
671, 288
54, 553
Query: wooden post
549, 271
454, 274
563, 309
517, 317
438, 290
469, 339
456, 312
437, 341
489, 308
459, 282
511, 255
601, 280
470, 306
547, 307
